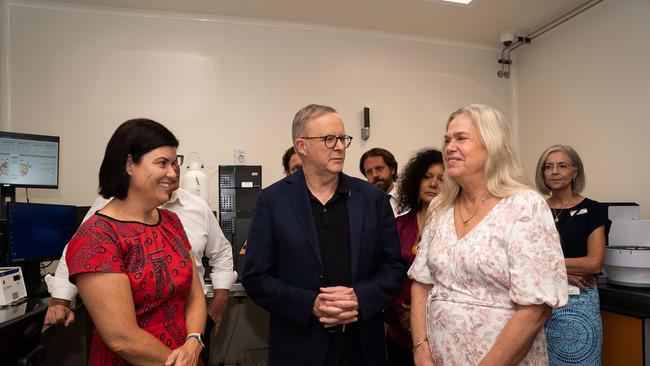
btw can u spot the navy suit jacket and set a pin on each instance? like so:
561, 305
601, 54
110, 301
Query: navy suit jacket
283, 268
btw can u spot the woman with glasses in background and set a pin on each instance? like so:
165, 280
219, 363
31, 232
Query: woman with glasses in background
420, 183
574, 333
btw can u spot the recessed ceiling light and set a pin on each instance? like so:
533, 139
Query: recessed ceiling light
459, 2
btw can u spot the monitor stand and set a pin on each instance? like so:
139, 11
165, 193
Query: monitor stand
7, 194
34, 284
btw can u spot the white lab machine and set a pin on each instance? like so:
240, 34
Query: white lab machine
627, 257
13, 285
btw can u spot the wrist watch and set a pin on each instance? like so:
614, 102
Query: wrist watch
198, 338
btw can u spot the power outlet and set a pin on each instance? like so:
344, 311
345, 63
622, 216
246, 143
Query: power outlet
239, 156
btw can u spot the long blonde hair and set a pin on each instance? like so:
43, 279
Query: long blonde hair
503, 170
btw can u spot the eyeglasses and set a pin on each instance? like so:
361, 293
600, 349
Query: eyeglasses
433, 179
331, 140
179, 160
559, 166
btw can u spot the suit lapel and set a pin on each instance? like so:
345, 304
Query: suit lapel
355, 220
299, 198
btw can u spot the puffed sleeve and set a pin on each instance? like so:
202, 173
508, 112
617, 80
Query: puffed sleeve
94, 248
536, 263
420, 270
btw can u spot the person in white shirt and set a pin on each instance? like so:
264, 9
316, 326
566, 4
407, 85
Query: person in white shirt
206, 238
380, 169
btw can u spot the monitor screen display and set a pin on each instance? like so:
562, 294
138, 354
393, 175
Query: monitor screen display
38, 232
29, 160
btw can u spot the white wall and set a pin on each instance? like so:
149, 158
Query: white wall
222, 84
587, 84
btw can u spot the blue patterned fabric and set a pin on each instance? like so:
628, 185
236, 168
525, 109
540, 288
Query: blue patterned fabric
574, 334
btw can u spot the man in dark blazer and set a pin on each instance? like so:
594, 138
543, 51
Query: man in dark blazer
323, 255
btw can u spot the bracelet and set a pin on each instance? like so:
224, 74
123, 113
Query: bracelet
419, 344
198, 338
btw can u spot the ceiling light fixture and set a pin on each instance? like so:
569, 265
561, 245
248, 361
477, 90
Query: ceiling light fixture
448, 2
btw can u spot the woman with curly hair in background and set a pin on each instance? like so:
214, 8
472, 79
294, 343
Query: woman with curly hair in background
420, 183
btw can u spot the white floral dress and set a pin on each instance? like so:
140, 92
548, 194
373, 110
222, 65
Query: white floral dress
513, 256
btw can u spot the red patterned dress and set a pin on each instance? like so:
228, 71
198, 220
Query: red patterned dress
157, 260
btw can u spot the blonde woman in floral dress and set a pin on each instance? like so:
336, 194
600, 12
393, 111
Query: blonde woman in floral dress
489, 268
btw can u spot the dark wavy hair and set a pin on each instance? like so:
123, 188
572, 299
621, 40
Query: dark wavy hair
412, 174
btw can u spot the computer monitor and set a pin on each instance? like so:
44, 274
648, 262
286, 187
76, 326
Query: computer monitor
38, 232
29, 160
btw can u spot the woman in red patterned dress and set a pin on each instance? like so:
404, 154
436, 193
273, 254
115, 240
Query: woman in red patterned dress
132, 261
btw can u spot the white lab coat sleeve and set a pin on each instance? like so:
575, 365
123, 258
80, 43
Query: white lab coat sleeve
219, 252
60, 286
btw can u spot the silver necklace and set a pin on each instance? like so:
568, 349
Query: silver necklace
557, 212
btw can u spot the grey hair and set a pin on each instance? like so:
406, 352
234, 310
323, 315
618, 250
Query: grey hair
305, 115
577, 184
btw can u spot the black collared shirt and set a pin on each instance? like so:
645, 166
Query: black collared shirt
333, 231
